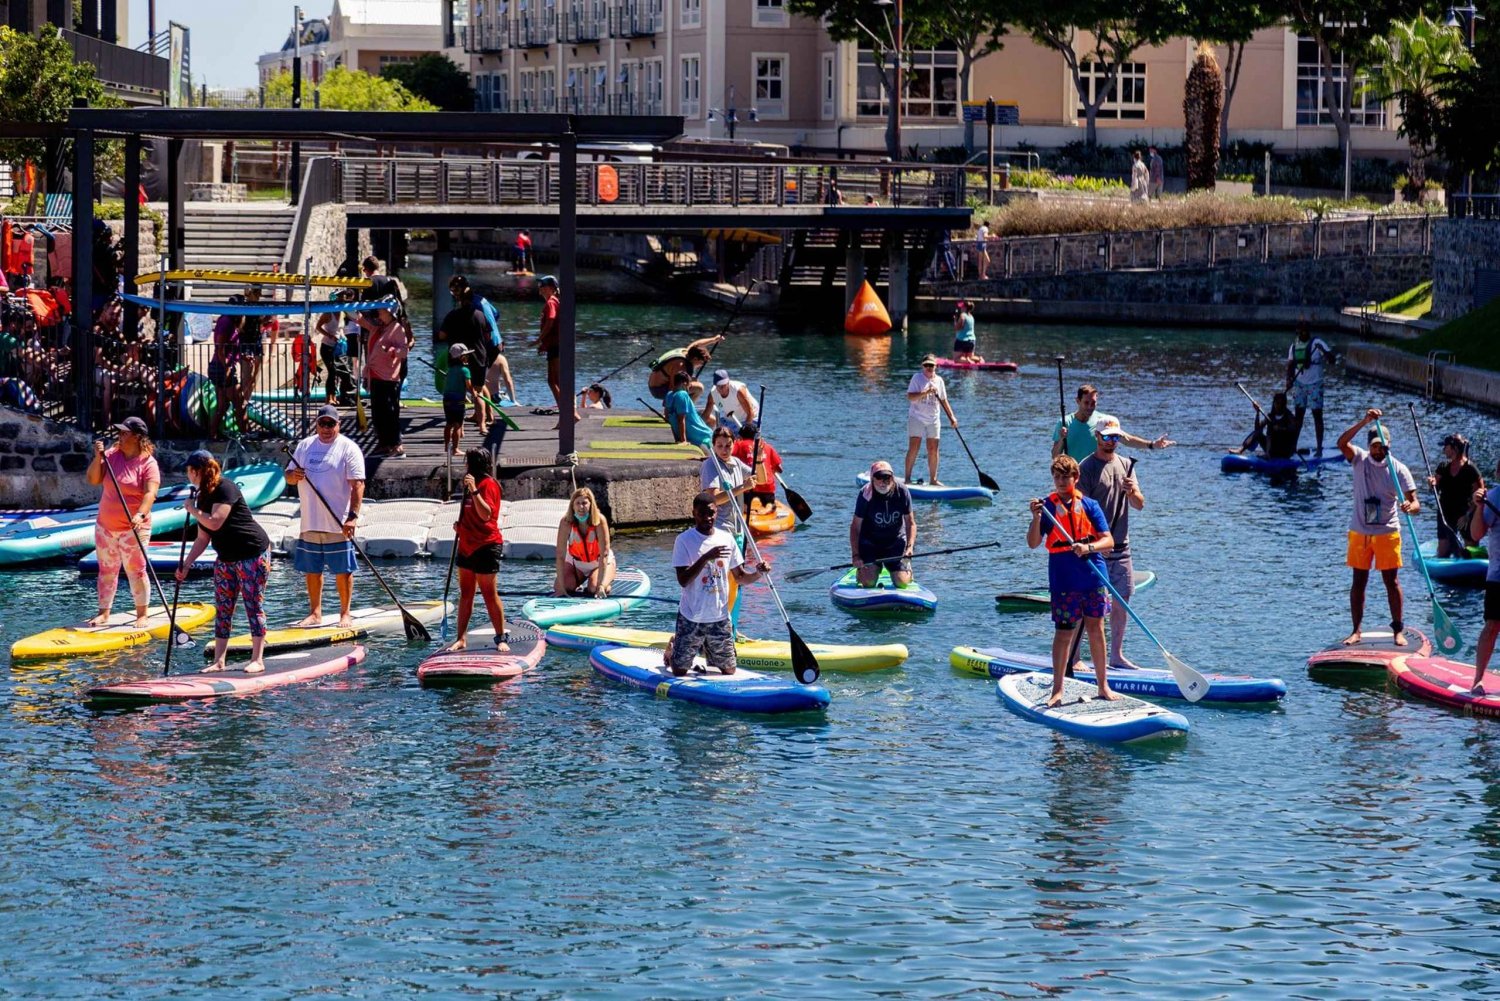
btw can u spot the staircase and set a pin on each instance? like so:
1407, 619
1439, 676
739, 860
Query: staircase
237, 236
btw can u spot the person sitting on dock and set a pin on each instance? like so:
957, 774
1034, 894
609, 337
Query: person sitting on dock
595, 397
1275, 433
705, 558
733, 401
1375, 526
690, 359
683, 417
963, 335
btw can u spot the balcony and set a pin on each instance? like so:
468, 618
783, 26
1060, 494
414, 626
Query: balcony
584, 22
583, 106
634, 104
637, 19
532, 31
484, 37
137, 77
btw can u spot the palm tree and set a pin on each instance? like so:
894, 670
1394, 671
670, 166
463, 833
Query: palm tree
1407, 66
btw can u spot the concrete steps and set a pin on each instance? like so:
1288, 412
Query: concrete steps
237, 236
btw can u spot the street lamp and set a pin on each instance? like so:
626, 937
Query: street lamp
294, 182
731, 115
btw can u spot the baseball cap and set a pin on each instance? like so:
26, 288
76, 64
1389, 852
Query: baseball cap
929, 359
132, 424
200, 458
721, 375
1374, 434
547, 280
328, 410
457, 351
1108, 426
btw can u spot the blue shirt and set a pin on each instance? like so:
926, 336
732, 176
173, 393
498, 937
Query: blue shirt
966, 332
491, 315
680, 404
1066, 572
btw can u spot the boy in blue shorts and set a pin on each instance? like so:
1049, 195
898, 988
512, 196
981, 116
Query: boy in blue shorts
1076, 533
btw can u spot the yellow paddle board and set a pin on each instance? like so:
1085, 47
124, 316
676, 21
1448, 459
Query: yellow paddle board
251, 278
752, 655
68, 642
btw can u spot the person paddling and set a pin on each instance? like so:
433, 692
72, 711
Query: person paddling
767, 462
1109, 481
477, 536
883, 531
1454, 482
1304, 378
1484, 524
332, 464
926, 394
123, 526
705, 558
1275, 433
963, 335
1076, 436
1374, 527
1078, 599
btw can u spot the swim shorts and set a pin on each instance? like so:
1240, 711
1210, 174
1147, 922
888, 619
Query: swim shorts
1069, 608
715, 640
324, 557
1307, 397
1384, 551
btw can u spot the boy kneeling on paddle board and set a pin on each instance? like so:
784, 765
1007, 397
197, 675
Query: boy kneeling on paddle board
1076, 532
705, 557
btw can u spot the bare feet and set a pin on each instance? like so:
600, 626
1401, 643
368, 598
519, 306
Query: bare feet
1054, 699
255, 667
502, 647
461, 643
1121, 662
102, 619
346, 621
1478, 689
216, 667
310, 622
1108, 694
1401, 639
142, 620
1352, 638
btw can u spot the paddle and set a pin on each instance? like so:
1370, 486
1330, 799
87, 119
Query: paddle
177, 587
1427, 465
175, 636
1192, 684
799, 505
804, 664
452, 559
361, 418
1448, 639
797, 576
985, 480
1300, 454
414, 628
1062, 403
649, 349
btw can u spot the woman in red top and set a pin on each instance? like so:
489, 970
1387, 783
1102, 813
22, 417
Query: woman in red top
478, 541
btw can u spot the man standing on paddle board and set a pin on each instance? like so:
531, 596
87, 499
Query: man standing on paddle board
1078, 432
1304, 378
1078, 597
1374, 527
1106, 479
1484, 524
334, 465
705, 557
925, 394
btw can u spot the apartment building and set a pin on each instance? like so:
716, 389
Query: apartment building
96, 29
787, 82
365, 35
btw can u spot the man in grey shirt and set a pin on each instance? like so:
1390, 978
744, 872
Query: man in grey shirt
1107, 478
1374, 528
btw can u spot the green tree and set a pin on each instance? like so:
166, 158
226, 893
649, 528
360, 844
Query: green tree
1466, 127
343, 89
39, 84
434, 78
1406, 64
1202, 102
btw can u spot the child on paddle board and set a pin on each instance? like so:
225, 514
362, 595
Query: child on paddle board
1076, 533
706, 557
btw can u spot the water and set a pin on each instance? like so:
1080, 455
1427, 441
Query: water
564, 837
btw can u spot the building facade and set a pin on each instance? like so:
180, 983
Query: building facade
96, 29
365, 35
786, 81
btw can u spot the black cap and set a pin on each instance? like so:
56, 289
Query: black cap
132, 424
200, 458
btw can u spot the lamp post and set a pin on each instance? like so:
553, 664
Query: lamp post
294, 182
318, 76
1464, 18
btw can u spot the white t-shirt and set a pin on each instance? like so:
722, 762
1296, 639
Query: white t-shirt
732, 405
331, 468
705, 598
1317, 352
735, 474
982, 234
926, 409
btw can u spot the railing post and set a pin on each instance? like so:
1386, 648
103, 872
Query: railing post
1371, 241
1161, 250
1317, 239
1057, 255
734, 184
779, 174
1010, 259
1265, 243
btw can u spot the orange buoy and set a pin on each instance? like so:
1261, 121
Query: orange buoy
867, 316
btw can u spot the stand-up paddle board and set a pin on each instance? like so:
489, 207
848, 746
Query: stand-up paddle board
756, 655
743, 691
768, 522
68, 642
949, 494
630, 586
367, 621
1156, 683
1374, 652
1461, 571
1041, 601
282, 669
1447, 682
1252, 463
979, 366
481, 664
1082, 713
885, 597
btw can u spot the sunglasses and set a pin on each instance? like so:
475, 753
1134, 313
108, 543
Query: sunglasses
883, 477
327, 422
1111, 438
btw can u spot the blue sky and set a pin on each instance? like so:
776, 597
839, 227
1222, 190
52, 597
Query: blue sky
227, 36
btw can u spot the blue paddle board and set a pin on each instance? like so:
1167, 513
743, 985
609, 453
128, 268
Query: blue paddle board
884, 597
630, 586
1467, 571
1082, 714
950, 494
743, 691
1156, 683
1251, 463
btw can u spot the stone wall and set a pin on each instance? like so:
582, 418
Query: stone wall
327, 227
1459, 246
1459, 382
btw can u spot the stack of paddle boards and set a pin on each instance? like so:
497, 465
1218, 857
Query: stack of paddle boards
1468, 570
68, 642
480, 663
630, 586
1156, 683
884, 598
366, 622
949, 494
1041, 601
1252, 463
743, 691
757, 655
163, 557
1082, 713
1447, 682
1373, 653
283, 669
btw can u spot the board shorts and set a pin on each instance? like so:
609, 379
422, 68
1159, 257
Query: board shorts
892, 557
715, 640
1070, 608
218, 373
455, 408
1492, 601
1384, 551
961, 347
922, 429
484, 560
1306, 396
1121, 576
324, 557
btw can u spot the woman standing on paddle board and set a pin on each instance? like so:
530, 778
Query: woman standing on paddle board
1455, 481
244, 556
585, 560
479, 544
121, 531
924, 395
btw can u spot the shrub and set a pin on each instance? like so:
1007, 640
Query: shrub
1038, 218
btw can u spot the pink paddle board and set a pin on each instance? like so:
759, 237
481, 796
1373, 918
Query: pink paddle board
989, 366
1374, 652
1448, 683
480, 663
282, 669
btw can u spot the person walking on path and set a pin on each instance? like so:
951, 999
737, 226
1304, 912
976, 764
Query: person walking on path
1076, 435
121, 530
683, 418
732, 399
1156, 170
883, 531
1374, 527
585, 557
477, 536
334, 349
1455, 481
549, 343
1109, 481
1140, 178
1304, 378
1484, 524
1078, 597
706, 558
242, 556
331, 463
926, 394
390, 342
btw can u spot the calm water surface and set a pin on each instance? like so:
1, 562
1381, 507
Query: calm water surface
564, 837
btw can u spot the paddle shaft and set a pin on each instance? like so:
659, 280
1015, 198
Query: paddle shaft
411, 620
150, 570
1427, 464
602, 378
452, 559
1438, 612
1062, 403
799, 575
1250, 398
984, 480
177, 589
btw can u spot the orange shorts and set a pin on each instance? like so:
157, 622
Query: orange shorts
1382, 550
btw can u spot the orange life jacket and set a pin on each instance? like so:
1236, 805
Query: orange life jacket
583, 547
1073, 518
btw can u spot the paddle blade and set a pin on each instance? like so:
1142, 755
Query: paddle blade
797, 576
804, 664
799, 505
414, 629
988, 482
1192, 684
1444, 631
182, 639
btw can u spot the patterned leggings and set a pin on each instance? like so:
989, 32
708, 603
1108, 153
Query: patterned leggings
245, 577
116, 550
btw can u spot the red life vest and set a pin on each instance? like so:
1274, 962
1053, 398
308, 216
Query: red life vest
1072, 517
583, 547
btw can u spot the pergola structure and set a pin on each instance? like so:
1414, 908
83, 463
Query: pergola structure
176, 125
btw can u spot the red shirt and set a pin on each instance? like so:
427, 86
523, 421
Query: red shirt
548, 340
474, 531
770, 462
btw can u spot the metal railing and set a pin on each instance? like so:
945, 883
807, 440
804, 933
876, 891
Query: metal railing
637, 19
115, 64
1198, 247
486, 36
584, 22
1474, 206
532, 31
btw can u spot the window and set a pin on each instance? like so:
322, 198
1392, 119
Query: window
526, 90
546, 89
828, 90
770, 85
1311, 106
770, 14
931, 85
692, 14
500, 91
597, 92
388, 60
1129, 98
689, 94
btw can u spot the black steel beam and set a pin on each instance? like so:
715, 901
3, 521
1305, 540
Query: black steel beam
567, 277
626, 219
130, 194
83, 278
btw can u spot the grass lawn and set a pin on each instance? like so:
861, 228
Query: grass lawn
1474, 338
1414, 302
